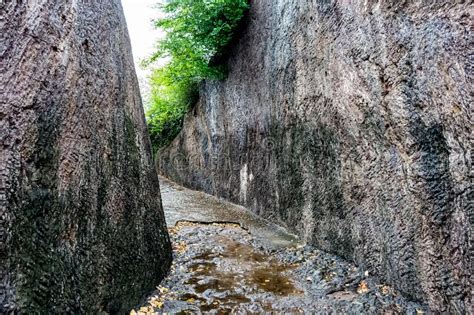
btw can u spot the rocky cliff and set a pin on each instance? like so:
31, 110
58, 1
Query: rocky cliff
348, 122
82, 228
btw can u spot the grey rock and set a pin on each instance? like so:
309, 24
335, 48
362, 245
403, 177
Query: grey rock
348, 122
82, 227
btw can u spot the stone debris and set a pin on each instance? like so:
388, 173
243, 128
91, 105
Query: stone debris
223, 269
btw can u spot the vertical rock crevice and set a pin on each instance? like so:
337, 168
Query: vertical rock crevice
352, 118
82, 229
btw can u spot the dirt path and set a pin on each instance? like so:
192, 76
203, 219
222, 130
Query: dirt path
181, 204
222, 268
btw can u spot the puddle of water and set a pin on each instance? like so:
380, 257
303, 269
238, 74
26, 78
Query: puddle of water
237, 250
271, 280
234, 274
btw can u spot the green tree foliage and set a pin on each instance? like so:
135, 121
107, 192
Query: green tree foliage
198, 32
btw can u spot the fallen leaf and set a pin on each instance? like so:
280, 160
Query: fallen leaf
172, 230
145, 310
156, 303
363, 288
180, 247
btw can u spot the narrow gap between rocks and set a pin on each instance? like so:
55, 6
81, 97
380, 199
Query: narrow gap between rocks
228, 260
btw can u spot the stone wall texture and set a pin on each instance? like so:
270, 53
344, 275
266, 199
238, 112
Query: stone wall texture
348, 122
82, 227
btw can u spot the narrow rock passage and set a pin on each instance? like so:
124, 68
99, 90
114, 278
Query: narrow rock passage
252, 266
182, 204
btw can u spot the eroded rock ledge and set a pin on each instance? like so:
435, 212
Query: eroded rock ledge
82, 228
348, 122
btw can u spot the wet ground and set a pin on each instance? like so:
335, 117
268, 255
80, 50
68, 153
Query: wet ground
181, 204
222, 268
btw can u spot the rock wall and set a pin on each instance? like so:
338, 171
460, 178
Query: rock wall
82, 227
348, 122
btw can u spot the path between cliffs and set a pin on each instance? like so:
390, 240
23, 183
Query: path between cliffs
227, 260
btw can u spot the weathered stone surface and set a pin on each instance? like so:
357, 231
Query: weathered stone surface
82, 228
348, 122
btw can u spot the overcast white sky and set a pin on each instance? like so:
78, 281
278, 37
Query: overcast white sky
139, 15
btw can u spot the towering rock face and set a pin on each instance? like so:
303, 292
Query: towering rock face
347, 121
82, 228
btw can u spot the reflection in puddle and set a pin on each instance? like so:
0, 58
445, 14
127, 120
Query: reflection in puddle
270, 280
233, 274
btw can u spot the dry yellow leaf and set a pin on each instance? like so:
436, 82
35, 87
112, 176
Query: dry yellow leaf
133, 312
191, 300
156, 303
145, 310
172, 230
180, 247
363, 287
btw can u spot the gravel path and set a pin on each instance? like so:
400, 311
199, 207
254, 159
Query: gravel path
222, 268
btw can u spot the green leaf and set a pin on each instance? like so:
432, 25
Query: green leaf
197, 31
